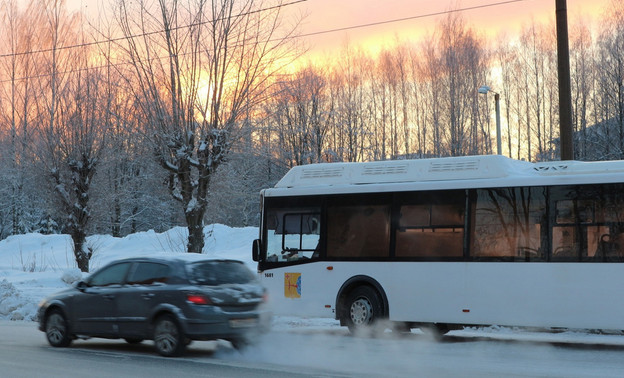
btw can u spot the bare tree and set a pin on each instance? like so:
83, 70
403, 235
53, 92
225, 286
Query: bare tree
432, 82
504, 58
198, 70
299, 111
610, 84
16, 115
350, 117
463, 66
72, 129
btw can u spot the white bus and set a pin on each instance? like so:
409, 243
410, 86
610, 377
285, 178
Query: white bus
447, 242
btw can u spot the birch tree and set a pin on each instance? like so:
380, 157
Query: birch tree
299, 113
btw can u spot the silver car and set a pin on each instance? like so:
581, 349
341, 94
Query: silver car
169, 300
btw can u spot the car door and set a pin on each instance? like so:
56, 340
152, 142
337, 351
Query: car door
147, 286
95, 307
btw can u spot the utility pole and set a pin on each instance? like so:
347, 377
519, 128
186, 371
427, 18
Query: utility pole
563, 73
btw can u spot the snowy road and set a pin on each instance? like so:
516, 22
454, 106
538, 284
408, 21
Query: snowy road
25, 353
469, 353
325, 351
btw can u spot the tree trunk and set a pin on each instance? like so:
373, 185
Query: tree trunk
116, 221
82, 256
195, 228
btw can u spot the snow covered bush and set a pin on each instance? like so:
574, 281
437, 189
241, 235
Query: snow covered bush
71, 275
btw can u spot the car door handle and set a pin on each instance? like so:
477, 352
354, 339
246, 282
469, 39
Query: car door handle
147, 296
108, 296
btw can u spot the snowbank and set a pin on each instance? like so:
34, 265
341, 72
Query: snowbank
34, 266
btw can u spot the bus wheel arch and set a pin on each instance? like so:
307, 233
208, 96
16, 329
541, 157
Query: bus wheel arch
366, 297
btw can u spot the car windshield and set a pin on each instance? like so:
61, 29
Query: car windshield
214, 273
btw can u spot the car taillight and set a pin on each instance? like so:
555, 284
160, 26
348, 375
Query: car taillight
198, 299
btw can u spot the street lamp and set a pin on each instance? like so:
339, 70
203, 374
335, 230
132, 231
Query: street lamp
484, 90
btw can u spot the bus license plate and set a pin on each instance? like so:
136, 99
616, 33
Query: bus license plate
243, 323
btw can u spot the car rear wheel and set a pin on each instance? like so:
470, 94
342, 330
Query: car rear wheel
57, 330
168, 338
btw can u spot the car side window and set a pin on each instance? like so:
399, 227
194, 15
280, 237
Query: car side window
112, 275
147, 273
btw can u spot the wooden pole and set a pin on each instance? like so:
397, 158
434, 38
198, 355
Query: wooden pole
565, 93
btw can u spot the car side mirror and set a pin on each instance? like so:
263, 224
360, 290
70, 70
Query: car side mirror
81, 285
255, 250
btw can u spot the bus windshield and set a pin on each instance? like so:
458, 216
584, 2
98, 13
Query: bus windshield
293, 234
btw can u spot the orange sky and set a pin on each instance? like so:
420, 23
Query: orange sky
505, 18
323, 15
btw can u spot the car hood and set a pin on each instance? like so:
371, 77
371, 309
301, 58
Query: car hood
63, 293
62, 296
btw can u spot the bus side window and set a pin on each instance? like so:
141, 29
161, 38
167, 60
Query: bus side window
358, 231
564, 248
508, 224
431, 230
605, 237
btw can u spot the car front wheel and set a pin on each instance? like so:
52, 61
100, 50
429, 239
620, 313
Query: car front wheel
168, 338
57, 330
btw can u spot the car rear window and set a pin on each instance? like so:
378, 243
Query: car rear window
214, 273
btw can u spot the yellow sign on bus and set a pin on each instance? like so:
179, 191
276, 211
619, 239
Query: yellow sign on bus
292, 285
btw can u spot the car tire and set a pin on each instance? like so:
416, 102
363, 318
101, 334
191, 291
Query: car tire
57, 329
168, 337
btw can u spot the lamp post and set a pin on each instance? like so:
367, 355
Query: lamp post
484, 90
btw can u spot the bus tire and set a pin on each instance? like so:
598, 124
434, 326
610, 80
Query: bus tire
363, 309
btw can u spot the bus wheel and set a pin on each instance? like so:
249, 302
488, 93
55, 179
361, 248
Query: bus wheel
363, 308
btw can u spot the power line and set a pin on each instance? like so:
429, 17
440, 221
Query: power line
118, 39
95, 43
412, 17
256, 11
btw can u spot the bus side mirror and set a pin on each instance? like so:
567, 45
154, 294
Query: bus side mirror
255, 250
